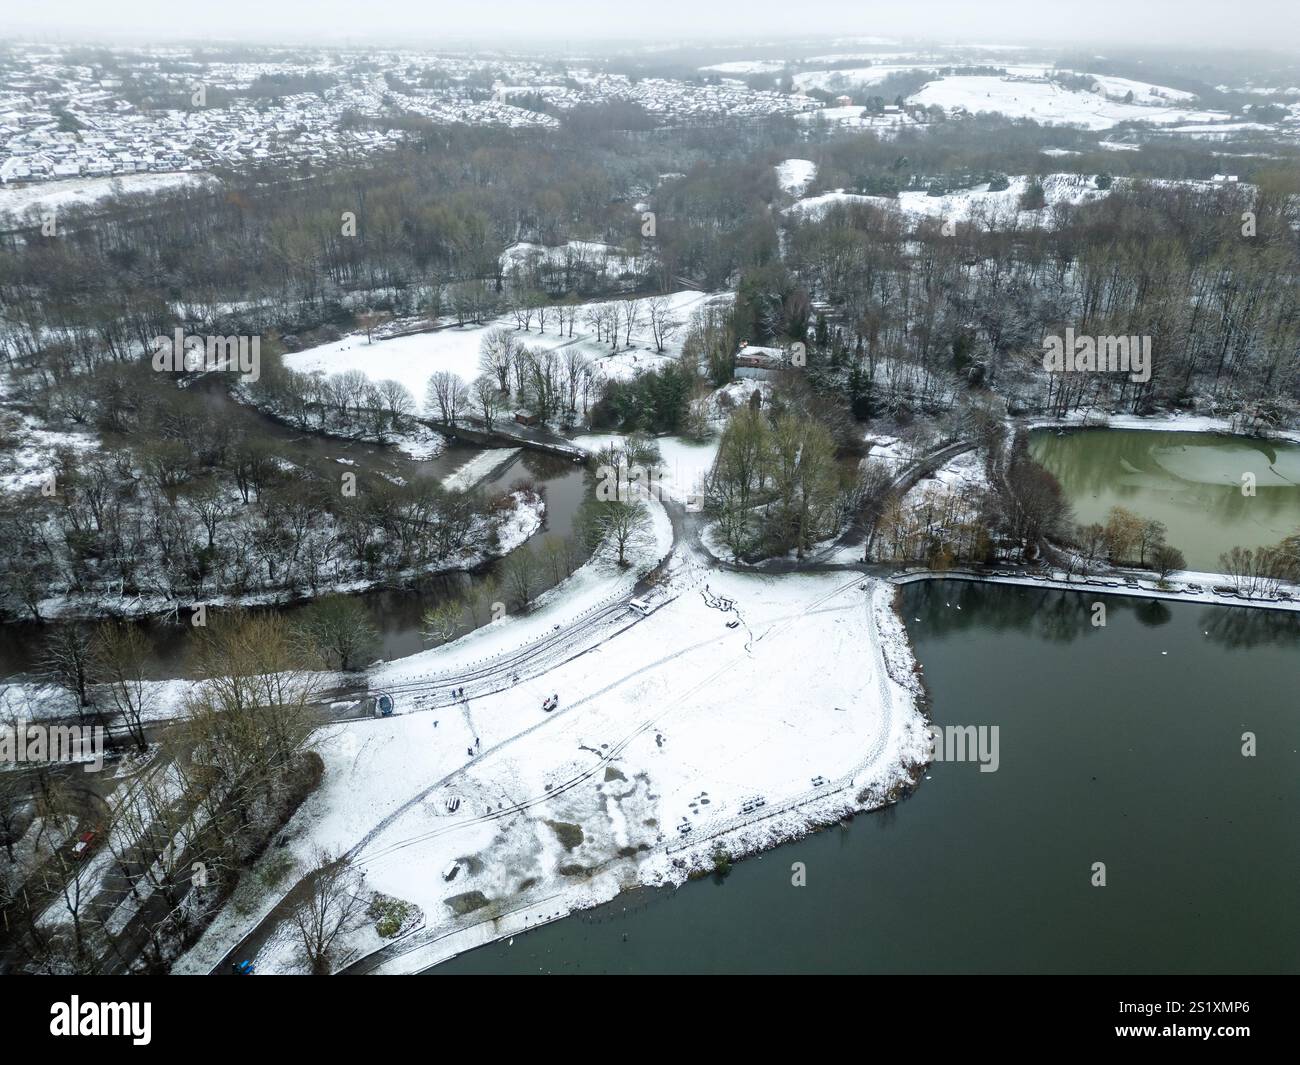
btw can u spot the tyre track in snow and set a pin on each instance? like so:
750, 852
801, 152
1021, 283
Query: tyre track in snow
615, 750
422, 940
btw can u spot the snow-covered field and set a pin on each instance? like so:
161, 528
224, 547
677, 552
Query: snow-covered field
965, 205
981, 205
413, 359
684, 464
664, 741
1048, 103
17, 200
27, 467
794, 175
583, 254
885, 125
854, 77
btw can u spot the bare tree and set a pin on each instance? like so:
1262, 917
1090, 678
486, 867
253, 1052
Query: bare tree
397, 400
487, 398
496, 355
576, 367
121, 656
629, 311
626, 524
521, 574
663, 323
338, 629
333, 905
448, 393
68, 660
440, 622
368, 320
252, 717
1166, 558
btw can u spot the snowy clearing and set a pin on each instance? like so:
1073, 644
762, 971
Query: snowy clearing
1047, 102
677, 737
411, 360
18, 200
794, 175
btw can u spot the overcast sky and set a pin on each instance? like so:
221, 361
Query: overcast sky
1133, 23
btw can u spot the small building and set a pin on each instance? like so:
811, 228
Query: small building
759, 362
524, 418
844, 101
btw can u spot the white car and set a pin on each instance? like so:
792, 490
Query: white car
640, 606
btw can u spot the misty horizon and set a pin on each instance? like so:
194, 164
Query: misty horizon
1262, 25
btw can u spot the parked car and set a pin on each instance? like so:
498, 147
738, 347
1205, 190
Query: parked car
639, 606
82, 847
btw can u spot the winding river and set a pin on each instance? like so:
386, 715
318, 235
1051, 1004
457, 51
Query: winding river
395, 612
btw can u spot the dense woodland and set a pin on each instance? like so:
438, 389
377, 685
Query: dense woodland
902, 318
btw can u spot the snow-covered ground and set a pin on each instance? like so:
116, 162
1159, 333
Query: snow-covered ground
817, 206
964, 471
855, 77
17, 201
583, 254
684, 465
413, 359
746, 66
665, 741
884, 124
597, 583
794, 175
1047, 102
1146, 588
1143, 91
981, 205
1173, 422
28, 465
